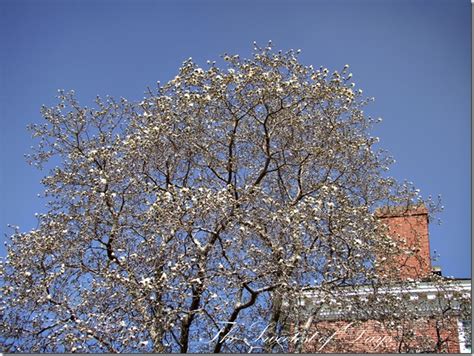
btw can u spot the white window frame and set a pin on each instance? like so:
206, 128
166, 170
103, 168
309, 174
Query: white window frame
462, 339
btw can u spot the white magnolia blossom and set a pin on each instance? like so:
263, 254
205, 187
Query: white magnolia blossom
224, 196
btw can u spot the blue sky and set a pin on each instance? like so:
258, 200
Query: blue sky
413, 56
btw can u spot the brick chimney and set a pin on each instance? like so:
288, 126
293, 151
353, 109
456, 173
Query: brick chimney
409, 226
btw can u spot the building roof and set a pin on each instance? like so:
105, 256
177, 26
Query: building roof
400, 211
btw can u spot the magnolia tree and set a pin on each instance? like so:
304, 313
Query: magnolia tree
199, 218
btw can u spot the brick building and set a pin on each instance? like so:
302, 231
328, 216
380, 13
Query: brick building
440, 326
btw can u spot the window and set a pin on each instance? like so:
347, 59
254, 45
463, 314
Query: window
465, 336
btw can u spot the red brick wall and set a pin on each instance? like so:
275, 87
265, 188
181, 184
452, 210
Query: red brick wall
374, 337
410, 229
